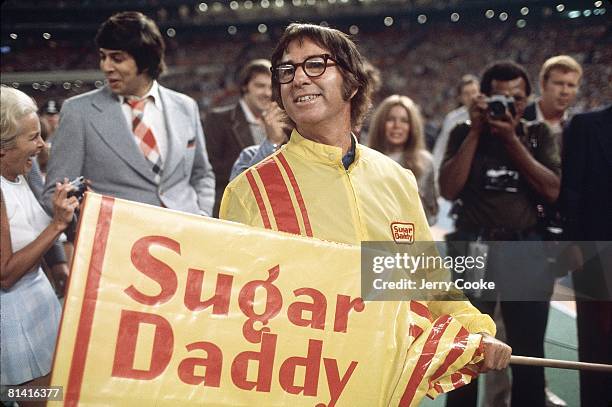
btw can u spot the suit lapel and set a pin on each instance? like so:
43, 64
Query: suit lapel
111, 126
179, 131
241, 129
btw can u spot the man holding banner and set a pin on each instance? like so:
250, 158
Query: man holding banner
323, 183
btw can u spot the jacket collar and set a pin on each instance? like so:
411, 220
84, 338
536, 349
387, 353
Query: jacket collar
114, 132
319, 152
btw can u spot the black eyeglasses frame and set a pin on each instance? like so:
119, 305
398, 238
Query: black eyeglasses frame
326, 58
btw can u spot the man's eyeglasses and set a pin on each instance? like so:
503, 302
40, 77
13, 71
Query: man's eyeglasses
313, 67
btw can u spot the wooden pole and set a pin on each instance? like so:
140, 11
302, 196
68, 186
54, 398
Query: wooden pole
559, 364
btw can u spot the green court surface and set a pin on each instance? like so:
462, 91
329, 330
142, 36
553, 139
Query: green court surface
561, 343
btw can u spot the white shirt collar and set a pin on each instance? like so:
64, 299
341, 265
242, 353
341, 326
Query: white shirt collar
153, 92
248, 114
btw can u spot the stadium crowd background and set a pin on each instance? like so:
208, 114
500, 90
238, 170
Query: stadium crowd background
420, 47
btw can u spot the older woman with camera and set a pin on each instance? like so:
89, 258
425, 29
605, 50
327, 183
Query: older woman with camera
30, 311
396, 130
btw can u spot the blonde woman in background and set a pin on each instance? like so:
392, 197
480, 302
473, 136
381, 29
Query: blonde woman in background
396, 130
30, 311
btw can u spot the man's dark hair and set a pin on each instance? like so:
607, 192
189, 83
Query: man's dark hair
254, 67
139, 36
342, 50
503, 71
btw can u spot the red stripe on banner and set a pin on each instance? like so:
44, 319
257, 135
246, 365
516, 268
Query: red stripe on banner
480, 349
479, 352
458, 347
83, 208
457, 380
297, 192
259, 200
415, 331
278, 196
427, 354
420, 309
469, 372
88, 308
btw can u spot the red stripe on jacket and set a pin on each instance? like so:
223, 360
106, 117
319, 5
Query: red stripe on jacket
279, 197
297, 192
259, 200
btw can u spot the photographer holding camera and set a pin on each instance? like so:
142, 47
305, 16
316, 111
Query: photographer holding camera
500, 166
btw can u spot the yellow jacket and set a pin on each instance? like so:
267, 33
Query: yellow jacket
304, 189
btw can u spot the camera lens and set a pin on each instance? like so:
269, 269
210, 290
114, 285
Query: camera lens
497, 109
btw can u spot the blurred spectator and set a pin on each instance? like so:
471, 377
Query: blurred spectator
362, 131
467, 90
49, 113
396, 130
253, 120
559, 82
49, 120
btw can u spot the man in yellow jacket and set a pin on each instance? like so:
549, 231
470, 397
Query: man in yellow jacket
323, 183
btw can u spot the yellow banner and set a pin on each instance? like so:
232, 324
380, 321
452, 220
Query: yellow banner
165, 308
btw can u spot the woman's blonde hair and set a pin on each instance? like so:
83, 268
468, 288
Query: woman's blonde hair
14, 106
412, 156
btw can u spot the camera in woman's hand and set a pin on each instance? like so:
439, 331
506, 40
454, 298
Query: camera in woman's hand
79, 187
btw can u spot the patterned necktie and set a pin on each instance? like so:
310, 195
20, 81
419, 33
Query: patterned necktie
144, 136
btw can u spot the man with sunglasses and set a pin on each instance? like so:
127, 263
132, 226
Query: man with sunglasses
323, 183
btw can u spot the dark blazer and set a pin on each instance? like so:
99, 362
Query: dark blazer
227, 134
586, 198
586, 188
586, 191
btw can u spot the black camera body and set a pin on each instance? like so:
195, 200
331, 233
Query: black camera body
498, 105
79, 188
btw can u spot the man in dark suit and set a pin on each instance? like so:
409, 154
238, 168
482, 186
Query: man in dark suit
586, 199
253, 120
134, 139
